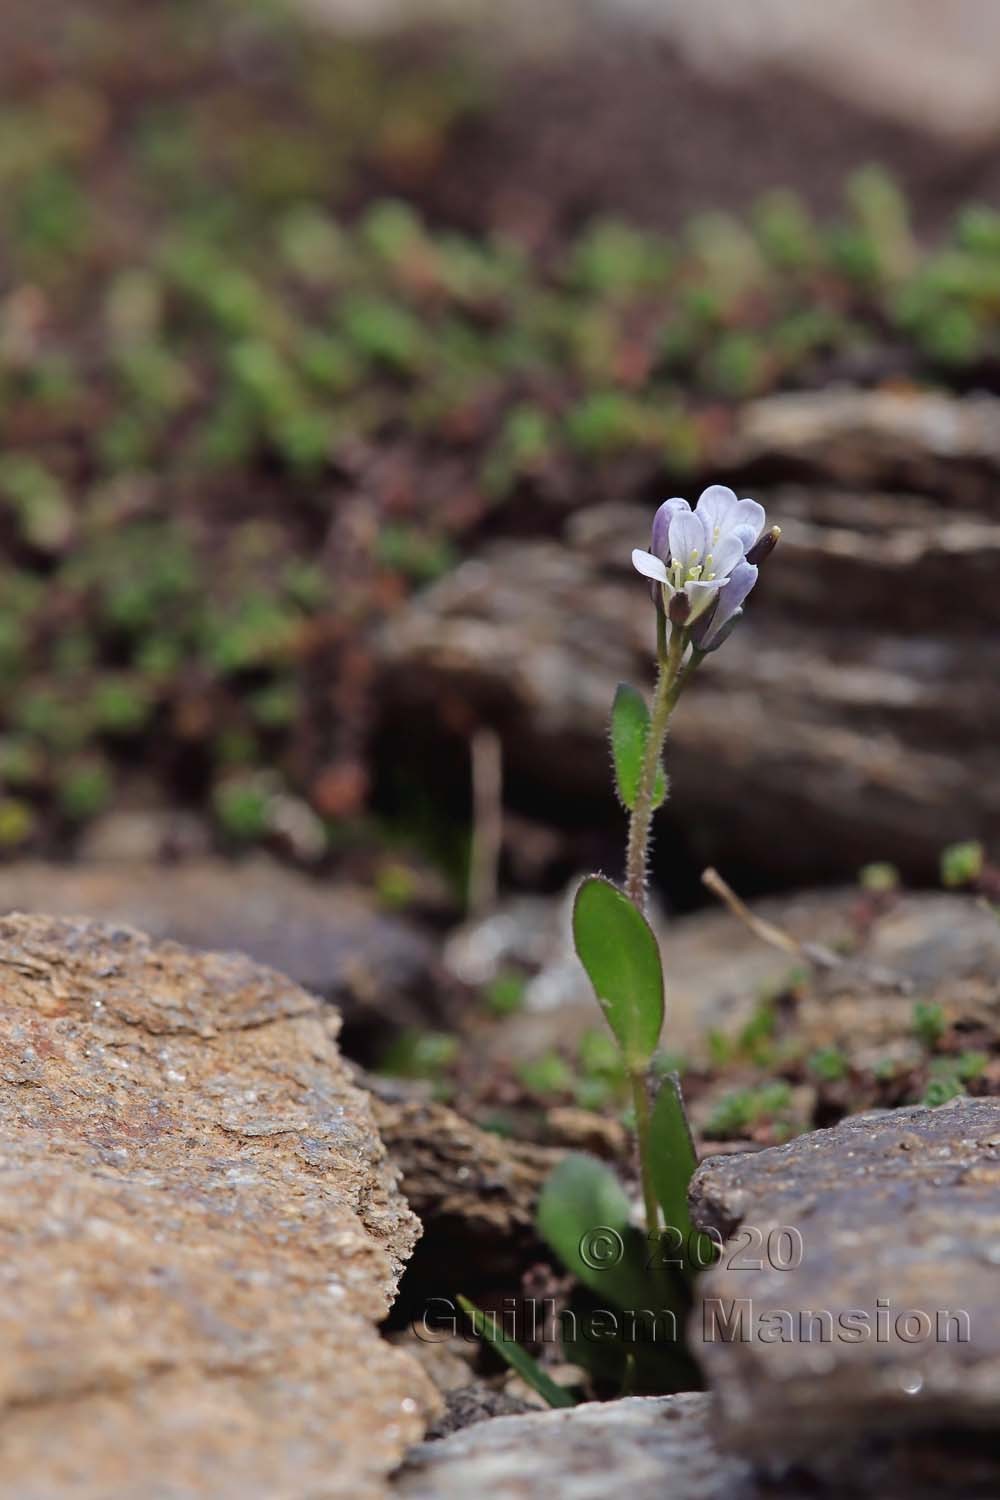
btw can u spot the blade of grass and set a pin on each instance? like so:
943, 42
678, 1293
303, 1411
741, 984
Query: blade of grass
518, 1359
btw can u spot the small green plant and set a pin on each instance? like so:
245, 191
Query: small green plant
703, 563
420, 1054
547, 1074
737, 1111
17, 823
505, 993
413, 553
84, 789
243, 807
970, 1065
756, 1037
942, 1088
949, 1075
962, 864
829, 1065
879, 878
928, 1023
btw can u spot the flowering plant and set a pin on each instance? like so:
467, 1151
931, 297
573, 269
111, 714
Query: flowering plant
702, 564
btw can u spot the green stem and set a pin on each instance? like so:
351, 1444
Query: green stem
642, 1123
669, 684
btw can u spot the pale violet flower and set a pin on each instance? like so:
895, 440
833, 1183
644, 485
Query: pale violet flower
699, 558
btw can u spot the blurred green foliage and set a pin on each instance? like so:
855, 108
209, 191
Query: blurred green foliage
247, 399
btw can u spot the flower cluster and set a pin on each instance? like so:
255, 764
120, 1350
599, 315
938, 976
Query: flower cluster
705, 560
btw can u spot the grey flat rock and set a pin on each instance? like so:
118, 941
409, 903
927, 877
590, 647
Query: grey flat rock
890, 1321
331, 940
664, 1448
642, 1447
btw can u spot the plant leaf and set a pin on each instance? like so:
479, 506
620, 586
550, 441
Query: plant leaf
629, 732
519, 1359
672, 1165
583, 1216
617, 948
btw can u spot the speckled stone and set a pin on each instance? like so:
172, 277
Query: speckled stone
898, 1218
198, 1233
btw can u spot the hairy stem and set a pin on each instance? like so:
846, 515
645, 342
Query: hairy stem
668, 689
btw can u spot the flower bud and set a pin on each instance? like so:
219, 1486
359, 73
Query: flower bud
680, 609
764, 546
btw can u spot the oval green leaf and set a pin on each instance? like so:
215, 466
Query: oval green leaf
583, 1216
617, 948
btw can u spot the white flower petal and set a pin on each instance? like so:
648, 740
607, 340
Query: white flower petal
701, 596
746, 534
687, 539
749, 513
648, 565
726, 553
716, 507
731, 598
660, 545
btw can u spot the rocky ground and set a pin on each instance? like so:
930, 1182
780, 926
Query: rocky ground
340, 376
897, 1215
204, 1229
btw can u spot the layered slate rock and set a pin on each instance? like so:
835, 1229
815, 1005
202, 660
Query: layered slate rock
332, 940
862, 436
199, 1232
851, 717
857, 1293
475, 1191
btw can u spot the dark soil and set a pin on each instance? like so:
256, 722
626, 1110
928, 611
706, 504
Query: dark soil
622, 125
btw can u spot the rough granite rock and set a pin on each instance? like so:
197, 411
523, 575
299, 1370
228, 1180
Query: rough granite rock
331, 940
860, 721
899, 1218
199, 1234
